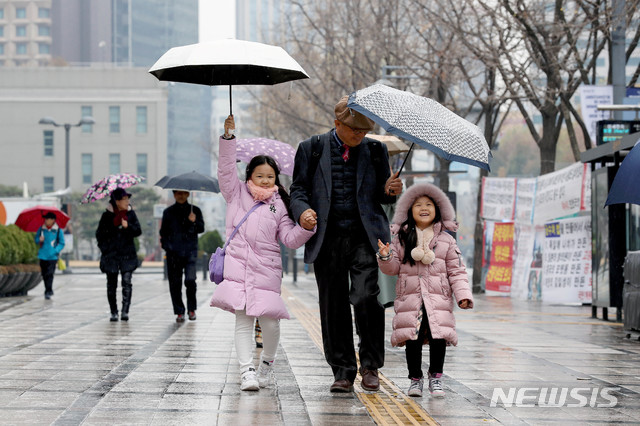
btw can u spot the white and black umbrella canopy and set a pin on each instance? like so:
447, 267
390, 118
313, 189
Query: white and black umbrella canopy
423, 121
227, 62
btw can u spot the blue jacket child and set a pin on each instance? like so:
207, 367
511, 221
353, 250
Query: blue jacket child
50, 239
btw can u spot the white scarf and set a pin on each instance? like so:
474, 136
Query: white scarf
422, 252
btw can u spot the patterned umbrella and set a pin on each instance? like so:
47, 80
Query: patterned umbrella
423, 121
283, 153
105, 186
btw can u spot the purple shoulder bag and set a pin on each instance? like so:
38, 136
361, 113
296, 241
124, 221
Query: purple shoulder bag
216, 262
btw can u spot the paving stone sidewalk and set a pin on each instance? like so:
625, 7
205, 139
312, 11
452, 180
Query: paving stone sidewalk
62, 362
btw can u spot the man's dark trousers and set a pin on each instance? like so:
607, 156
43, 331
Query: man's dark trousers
176, 265
343, 256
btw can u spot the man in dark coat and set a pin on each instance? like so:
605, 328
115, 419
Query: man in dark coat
340, 181
181, 224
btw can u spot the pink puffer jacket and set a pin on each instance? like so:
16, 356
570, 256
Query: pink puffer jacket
252, 265
433, 285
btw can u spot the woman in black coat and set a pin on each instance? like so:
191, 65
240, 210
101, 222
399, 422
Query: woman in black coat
118, 227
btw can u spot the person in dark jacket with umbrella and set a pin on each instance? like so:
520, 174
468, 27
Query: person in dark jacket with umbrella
118, 227
181, 224
340, 181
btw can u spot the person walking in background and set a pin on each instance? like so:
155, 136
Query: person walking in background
118, 227
50, 241
431, 271
340, 181
181, 224
252, 267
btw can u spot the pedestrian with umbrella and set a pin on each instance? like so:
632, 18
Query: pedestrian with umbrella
50, 240
116, 231
340, 181
258, 217
181, 224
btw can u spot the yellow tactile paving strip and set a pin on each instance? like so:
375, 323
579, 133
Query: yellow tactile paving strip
388, 406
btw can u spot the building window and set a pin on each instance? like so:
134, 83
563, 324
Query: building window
21, 13
114, 119
86, 111
44, 12
47, 184
1, 48
44, 48
21, 31
21, 48
44, 30
141, 120
87, 168
1, 12
1, 30
114, 163
48, 143
141, 160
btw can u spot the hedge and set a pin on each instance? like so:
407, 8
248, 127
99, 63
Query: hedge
17, 246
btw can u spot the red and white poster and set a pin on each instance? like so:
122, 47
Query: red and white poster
498, 278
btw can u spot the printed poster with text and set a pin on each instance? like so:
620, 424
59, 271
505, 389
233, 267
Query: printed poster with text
501, 262
566, 261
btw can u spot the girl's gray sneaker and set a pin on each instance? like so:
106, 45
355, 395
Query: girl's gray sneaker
435, 385
249, 381
415, 388
265, 372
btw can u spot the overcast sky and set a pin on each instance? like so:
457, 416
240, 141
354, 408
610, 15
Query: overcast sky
217, 19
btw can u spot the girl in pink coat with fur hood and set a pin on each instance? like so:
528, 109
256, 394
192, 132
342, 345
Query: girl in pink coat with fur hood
430, 272
252, 266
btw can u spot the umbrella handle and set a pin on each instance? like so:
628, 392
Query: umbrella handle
405, 158
230, 109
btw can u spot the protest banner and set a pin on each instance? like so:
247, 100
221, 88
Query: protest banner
525, 197
560, 193
498, 198
498, 278
567, 261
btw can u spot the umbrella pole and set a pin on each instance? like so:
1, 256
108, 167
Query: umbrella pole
405, 158
230, 109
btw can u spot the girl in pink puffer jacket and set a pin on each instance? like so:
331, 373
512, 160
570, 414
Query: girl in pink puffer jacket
430, 272
252, 265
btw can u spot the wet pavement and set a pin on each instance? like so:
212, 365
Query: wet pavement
62, 362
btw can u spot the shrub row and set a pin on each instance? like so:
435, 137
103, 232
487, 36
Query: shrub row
17, 246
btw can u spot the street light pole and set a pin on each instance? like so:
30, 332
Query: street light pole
67, 183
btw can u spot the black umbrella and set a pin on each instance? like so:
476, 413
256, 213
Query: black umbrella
192, 181
227, 62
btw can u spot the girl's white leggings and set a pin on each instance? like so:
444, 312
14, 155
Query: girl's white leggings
245, 343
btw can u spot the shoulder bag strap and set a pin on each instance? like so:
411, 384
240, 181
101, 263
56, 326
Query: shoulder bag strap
239, 224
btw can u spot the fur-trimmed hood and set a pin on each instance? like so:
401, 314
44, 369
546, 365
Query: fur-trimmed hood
447, 213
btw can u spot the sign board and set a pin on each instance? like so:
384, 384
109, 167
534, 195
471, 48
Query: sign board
612, 130
590, 98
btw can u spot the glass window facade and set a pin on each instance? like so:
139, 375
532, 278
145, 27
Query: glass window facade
44, 12
86, 111
87, 168
48, 143
21, 48
114, 163
141, 119
44, 30
114, 119
47, 184
44, 48
21, 31
141, 160
21, 12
